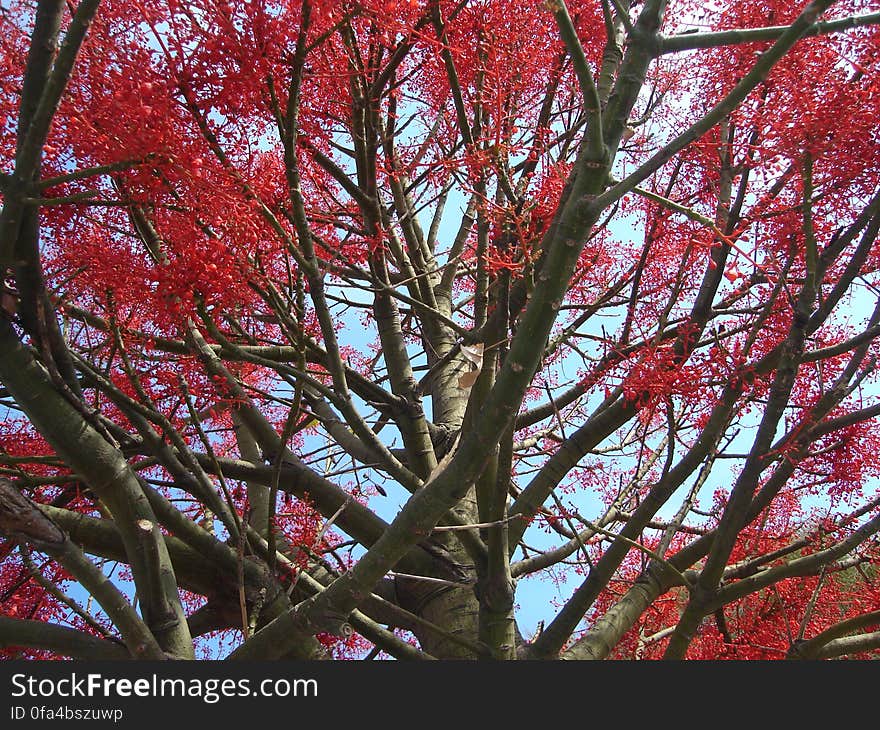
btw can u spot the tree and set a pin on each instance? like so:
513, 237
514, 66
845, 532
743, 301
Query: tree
326, 325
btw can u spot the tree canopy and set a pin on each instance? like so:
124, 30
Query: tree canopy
328, 328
